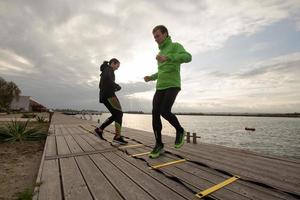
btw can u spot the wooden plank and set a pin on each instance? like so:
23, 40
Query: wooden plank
50, 187
75, 130
57, 130
155, 188
100, 187
74, 147
239, 156
62, 146
95, 142
121, 182
176, 187
39, 175
201, 183
248, 189
50, 146
254, 168
81, 153
64, 130
82, 143
74, 185
276, 180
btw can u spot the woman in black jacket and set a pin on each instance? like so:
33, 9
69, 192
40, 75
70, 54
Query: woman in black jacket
107, 96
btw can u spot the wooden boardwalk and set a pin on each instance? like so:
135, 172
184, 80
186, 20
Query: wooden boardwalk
78, 165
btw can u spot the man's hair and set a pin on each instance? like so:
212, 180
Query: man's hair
162, 29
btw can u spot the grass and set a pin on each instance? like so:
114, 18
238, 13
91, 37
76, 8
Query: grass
25, 195
20, 131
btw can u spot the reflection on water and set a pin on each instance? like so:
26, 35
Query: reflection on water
273, 136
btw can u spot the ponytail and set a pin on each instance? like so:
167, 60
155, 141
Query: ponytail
104, 65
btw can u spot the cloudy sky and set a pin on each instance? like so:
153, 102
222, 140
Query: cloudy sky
246, 54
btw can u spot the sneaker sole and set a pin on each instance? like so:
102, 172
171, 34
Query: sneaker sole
122, 143
179, 145
102, 138
153, 156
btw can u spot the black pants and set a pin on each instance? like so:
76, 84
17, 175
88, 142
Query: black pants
114, 107
163, 101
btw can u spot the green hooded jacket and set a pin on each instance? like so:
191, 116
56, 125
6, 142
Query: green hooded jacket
168, 74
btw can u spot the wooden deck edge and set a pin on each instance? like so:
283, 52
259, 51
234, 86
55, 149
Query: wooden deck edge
39, 176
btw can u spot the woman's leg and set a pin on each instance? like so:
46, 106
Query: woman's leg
117, 113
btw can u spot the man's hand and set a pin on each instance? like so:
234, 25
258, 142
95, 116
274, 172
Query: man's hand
147, 78
161, 58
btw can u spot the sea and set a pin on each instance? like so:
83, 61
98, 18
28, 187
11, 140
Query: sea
274, 136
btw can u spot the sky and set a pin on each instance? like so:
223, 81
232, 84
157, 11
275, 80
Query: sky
245, 54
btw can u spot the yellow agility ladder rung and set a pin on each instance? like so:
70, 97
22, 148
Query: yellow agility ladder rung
140, 154
86, 129
131, 146
217, 187
167, 164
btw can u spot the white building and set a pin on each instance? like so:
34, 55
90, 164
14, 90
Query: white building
26, 103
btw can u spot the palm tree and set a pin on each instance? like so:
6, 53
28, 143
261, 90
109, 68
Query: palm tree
8, 91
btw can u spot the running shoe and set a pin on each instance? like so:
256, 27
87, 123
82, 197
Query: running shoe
179, 141
157, 150
120, 140
99, 133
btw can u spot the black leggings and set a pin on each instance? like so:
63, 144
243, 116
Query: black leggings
163, 101
114, 107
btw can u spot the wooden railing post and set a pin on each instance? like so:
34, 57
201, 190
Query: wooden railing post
188, 137
194, 138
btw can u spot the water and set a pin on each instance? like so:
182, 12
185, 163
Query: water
273, 136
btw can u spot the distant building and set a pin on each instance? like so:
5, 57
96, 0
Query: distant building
26, 103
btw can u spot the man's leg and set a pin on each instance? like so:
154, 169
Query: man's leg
156, 124
167, 103
156, 121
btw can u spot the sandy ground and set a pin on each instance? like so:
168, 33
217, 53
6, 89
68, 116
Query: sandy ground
19, 164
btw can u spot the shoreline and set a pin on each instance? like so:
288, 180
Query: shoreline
287, 115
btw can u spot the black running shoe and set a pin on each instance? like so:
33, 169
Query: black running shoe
99, 133
120, 140
157, 150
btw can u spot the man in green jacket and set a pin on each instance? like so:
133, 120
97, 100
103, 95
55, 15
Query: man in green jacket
168, 84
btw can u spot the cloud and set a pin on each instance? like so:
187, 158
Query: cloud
9, 61
268, 85
281, 64
53, 49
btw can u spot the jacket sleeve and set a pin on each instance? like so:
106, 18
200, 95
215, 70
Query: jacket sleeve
154, 76
180, 55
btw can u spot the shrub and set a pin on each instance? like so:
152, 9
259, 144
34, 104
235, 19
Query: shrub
40, 119
19, 131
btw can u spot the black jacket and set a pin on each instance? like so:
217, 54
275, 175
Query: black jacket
107, 84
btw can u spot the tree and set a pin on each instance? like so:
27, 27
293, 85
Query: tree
8, 91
